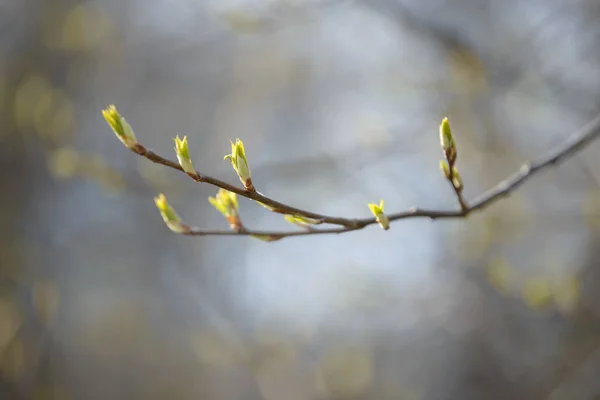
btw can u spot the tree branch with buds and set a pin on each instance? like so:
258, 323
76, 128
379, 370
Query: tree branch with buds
227, 204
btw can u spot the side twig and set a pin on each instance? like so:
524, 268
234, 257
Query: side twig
253, 195
570, 146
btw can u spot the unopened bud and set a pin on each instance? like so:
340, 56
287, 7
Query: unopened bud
445, 168
240, 164
183, 155
227, 204
169, 215
456, 179
302, 222
121, 128
447, 141
267, 238
381, 218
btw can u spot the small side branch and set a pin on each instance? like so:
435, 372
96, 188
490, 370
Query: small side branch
252, 195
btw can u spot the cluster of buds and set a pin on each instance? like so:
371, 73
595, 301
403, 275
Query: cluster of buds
450, 154
240, 164
121, 128
169, 215
227, 204
382, 219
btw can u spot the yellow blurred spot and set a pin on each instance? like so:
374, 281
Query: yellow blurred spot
120, 331
272, 352
46, 300
85, 26
53, 116
536, 293
154, 175
289, 383
213, 349
59, 124
567, 294
509, 219
49, 393
48, 110
468, 73
591, 209
10, 260
242, 22
32, 92
499, 273
272, 363
63, 162
66, 162
111, 184
3, 89
42, 113
167, 386
13, 359
345, 373
10, 321
102, 173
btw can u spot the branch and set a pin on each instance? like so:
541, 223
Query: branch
226, 201
252, 195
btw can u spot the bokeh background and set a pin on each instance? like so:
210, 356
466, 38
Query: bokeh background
338, 103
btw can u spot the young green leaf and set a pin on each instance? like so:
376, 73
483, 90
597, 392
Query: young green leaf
302, 222
121, 128
183, 155
169, 215
240, 164
227, 204
381, 218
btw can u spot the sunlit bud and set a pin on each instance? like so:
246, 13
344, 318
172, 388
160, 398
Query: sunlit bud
121, 128
381, 218
302, 222
227, 204
169, 215
183, 155
456, 179
446, 135
445, 169
240, 164
267, 238
567, 295
447, 141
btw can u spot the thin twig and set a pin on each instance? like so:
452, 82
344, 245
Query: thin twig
570, 146
277, 206
464, 206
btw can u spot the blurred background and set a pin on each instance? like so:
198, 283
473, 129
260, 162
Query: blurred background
338, 103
